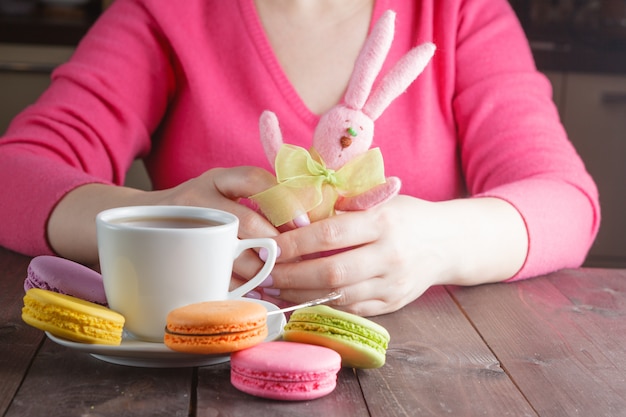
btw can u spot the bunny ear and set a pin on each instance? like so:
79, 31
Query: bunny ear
370, 61
271, 138
404, 72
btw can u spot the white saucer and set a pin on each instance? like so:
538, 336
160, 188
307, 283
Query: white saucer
133, 352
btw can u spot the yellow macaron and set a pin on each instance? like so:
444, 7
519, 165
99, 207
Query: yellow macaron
72, 318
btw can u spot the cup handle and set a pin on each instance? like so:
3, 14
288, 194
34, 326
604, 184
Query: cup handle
270, 245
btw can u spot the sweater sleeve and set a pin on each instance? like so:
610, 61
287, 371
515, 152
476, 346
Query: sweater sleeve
88, 126
513, 145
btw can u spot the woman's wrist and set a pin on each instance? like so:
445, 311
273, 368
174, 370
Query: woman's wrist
490, 242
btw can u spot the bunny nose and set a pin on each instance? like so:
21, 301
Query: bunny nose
347, 140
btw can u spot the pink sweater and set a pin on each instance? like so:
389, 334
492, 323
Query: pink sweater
182, 84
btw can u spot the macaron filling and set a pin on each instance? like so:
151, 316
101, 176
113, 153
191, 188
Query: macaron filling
211, 338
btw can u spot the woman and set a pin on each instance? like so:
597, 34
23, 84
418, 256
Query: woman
492, 189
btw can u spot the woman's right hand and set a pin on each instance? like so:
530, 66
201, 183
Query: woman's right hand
222, 188
72, 231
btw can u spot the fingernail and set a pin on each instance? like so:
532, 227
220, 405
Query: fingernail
268, 282
263, 253
272, 292
253, 294
302, 220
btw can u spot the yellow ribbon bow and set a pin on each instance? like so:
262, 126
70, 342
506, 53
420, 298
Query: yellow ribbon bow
305, 183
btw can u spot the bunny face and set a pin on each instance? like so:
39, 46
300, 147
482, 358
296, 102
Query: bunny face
341, 134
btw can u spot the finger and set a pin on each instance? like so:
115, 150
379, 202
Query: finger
247, 265
336, 232
378, 295
298, 221
330, 272
235, 282
380, 300
239, 183
296, 296
366, 308
243, 182
365, 298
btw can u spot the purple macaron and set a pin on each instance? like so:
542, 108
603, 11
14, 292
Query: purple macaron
63, 276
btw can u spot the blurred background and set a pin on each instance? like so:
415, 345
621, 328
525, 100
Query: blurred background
580, 45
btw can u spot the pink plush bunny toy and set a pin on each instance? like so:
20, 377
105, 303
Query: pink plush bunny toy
341, 172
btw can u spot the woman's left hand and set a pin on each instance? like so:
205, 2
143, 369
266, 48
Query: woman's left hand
383, 258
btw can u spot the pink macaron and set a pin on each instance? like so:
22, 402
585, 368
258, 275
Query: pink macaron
285, 370
63, 276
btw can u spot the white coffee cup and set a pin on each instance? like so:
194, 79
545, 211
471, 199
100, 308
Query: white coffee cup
157, 258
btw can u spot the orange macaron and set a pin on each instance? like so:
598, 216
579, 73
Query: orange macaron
216, 327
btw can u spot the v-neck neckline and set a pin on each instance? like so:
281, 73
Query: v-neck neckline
269, 59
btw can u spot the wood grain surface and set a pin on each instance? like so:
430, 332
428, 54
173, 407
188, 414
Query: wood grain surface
549, 346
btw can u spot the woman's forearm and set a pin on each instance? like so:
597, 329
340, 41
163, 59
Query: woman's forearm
71, 228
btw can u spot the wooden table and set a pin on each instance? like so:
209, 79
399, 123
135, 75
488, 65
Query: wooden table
551, 346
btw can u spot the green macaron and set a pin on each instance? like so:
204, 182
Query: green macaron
360, 342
